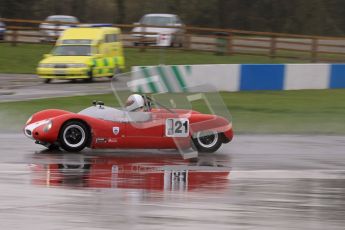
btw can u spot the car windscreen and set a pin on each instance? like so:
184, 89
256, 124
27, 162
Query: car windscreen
72, 50
156, 20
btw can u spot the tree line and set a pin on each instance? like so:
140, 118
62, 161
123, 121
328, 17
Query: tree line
315, 17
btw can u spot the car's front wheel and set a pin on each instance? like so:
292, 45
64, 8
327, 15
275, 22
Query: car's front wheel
47, 80
208, 141
74, 136
90, 76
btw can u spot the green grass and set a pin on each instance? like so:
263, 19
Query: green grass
274, 112
25, 57
22, 58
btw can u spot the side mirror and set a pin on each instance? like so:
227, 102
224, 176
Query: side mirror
47, 55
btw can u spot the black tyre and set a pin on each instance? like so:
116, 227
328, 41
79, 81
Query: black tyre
74, 136
174, 42
117, 71
90, 74
207, 142
47, 81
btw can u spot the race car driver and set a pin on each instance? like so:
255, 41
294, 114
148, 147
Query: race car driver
136, 103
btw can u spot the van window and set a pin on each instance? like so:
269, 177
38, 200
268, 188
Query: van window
110, 38
72, 50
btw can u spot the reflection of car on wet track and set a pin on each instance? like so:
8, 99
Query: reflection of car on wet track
100, 126
139, 171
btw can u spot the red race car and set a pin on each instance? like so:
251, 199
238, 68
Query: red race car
138, 126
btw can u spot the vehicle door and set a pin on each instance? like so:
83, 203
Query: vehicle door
116, 50
144, 130
100, 61
110, 134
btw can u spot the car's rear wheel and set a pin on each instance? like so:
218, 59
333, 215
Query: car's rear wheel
74, 136
208, 141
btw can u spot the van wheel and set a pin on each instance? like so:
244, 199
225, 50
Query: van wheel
117, 71
47, 81
90, 74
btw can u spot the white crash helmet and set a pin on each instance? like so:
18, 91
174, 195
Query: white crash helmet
135, 102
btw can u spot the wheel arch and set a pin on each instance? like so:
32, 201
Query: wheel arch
224, 138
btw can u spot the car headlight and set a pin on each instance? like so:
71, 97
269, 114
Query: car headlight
46, 65
48, 126
29, 120
77, 65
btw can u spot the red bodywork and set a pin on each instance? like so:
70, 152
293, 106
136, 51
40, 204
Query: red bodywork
135, 135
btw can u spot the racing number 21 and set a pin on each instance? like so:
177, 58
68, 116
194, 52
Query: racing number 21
177, 127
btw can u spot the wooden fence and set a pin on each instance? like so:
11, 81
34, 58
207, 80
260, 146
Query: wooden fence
218, 41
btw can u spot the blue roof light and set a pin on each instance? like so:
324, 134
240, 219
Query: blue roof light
96, 25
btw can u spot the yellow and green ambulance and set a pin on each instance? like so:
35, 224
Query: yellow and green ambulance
84, 53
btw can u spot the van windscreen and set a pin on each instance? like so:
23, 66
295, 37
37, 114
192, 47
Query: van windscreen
71, 50
76, 42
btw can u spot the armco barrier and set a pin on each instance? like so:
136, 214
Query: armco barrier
236, 77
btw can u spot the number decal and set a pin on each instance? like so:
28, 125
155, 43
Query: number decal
177, 127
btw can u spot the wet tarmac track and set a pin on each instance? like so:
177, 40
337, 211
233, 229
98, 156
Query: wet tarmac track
19, 87
256, 182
